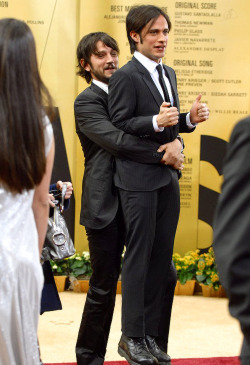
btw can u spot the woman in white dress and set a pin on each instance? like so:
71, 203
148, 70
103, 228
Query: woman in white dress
26, 159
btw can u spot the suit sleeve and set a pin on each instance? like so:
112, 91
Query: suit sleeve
122, 106
232, 226
183, 128
93, 121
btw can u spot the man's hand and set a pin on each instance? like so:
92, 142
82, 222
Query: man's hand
172, 156
168, 115
199, 111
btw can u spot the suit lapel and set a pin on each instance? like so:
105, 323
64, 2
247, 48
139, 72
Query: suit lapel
100, 92
147, 79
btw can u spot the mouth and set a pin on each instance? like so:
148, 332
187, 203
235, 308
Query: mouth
110, 68
160, 48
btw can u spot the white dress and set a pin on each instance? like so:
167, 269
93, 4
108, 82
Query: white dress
21, 277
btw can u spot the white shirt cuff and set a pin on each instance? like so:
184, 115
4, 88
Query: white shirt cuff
155, 125
188, 122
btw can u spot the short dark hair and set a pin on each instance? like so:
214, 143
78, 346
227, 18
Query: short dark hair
87, 47
139, 16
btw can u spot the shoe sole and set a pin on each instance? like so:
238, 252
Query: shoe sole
122, 353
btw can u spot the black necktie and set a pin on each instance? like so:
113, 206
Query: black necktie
162, 83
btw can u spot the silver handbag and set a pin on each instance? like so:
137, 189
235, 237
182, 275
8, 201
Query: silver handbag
58, 244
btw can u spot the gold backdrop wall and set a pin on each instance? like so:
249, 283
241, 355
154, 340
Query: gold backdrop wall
209, 49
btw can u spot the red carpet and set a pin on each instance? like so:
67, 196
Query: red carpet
204, 361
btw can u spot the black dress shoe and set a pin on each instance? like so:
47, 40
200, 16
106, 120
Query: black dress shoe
135, 351
162, 344
161, 356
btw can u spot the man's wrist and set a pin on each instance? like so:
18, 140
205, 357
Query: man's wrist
189, 123
181, 141
155, 124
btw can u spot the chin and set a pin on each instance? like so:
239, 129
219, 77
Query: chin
109, 74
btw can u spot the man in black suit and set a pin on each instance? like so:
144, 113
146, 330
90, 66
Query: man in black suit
97, 55
149, 193
232, 230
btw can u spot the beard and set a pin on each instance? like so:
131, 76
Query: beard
101, 76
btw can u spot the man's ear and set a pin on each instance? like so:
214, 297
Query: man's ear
135, 36
86, 67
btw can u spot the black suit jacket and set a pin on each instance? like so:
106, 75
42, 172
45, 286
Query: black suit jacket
133, 100
232, 226
101, 141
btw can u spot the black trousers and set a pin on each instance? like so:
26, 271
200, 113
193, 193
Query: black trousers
245, 353
105, 246
151, 220
50, 300
164, 325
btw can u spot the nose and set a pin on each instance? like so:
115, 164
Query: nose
110, 58
163, 37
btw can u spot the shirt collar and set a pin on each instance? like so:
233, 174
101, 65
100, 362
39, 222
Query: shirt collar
101, 85
150, 65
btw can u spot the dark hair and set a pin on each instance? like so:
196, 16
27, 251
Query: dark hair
87, 47
22, 93
139, 16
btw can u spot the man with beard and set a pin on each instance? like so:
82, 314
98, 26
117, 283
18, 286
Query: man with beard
97, 56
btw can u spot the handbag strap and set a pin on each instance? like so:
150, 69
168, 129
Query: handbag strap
64, 189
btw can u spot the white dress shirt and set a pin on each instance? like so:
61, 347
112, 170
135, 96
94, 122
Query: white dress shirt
101, 85
151, 65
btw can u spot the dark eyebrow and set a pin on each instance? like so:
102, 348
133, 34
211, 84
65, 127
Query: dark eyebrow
98, 53
157, 30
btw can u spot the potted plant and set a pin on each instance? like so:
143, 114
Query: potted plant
80, 271
186, 268
60, 271
207, 275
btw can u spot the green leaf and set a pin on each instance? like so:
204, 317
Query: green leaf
185, 276
78, 272
77, 264
201, 278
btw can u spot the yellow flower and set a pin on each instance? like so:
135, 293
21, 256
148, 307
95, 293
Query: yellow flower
176, 255
209, 261
201, 265
215, 278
